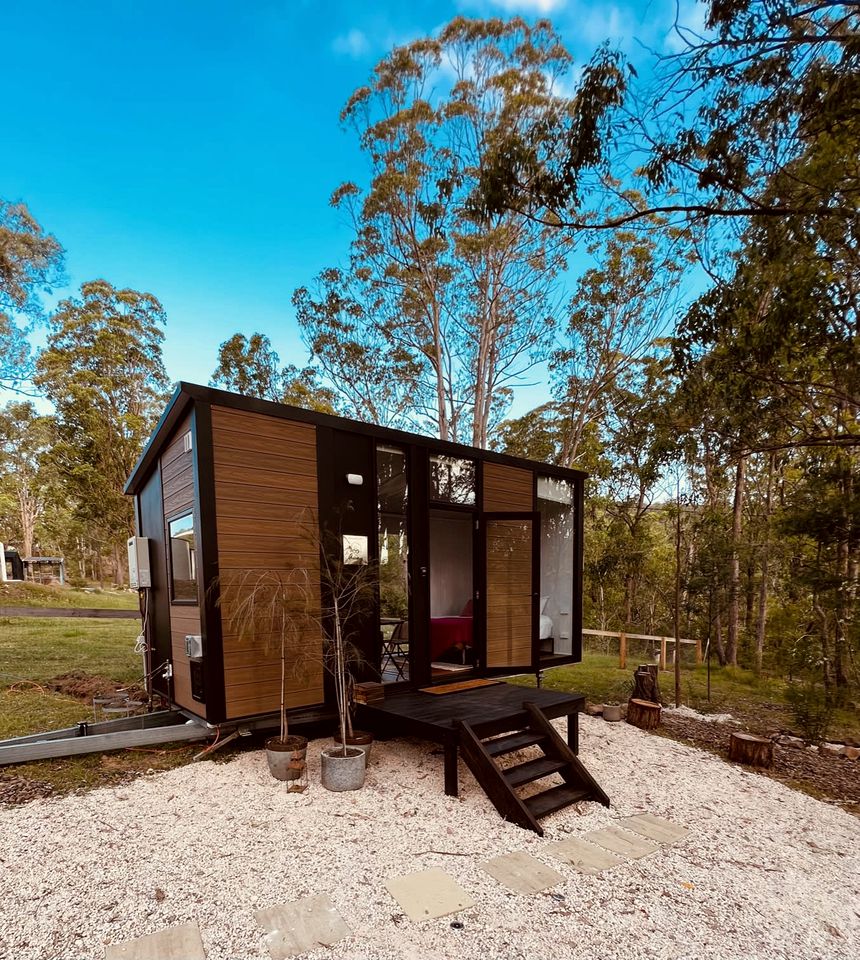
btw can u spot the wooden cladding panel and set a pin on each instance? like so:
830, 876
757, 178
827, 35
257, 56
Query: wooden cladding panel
184, 620
510, 601
507, 489
177, 476
266, 517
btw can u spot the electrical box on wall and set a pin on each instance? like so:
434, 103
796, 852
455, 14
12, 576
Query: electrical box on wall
194, 647
139, 574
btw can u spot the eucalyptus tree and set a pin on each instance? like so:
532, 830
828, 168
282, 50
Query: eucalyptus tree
250, 366
704, 130
26, 437
102, 370
30, 263
370, 377
621, 305
467, 295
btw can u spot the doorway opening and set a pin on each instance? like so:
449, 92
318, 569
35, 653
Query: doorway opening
452, 640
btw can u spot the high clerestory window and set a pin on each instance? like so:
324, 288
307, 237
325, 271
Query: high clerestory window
452, 480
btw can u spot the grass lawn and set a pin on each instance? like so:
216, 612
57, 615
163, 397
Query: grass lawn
33, 651
37, 595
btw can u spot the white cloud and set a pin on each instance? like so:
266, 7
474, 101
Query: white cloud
537, 7
353, 43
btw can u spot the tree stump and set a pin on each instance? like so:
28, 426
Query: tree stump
752, 750
643, 714
645, 683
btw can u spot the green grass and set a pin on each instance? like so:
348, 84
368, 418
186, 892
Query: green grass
33, 651
37, 595
39, 649
733, 690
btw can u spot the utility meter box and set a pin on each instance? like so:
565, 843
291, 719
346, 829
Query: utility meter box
194, 647
139, 573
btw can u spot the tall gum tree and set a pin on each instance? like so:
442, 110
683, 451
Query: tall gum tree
102, 369
465, 295
30, 263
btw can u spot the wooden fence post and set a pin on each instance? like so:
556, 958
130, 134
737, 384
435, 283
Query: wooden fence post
622, 651
663, 641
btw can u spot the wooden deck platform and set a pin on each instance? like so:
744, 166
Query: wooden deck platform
488, 711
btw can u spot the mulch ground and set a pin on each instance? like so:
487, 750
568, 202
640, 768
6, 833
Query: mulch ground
834, 779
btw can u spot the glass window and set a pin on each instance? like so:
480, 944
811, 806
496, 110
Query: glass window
557, 514
392, 494
452, 480
183, 559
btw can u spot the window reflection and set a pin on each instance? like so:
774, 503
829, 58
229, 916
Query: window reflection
183, 559
452, 480
392, 498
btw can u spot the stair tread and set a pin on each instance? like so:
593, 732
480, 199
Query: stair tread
548, 801
532, 770
512, 742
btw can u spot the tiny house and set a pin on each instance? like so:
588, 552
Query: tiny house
479, 555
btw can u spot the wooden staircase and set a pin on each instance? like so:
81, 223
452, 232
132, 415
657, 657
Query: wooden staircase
501, 783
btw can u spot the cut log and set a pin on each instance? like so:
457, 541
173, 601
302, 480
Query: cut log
643, 714
645, 683
752, 750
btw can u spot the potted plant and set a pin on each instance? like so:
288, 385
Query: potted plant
271, 604
348, 590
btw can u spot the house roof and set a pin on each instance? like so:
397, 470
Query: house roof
187, 393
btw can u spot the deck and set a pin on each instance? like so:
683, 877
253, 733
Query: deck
488, 711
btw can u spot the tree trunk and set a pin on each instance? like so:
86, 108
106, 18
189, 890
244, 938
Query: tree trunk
746, 748
646, 684
761, 620
735, 566
718, 637
643, 714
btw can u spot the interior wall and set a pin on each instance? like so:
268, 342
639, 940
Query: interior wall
450, 564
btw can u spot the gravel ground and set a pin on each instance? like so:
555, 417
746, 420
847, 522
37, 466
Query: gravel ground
766, 872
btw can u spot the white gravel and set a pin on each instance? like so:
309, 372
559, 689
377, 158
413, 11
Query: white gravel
691, 714
766, 872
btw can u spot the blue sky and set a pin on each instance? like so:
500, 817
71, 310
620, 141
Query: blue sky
189, 147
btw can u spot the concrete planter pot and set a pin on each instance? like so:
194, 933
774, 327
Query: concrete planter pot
339, 772
287, 758
612, 712
360, 739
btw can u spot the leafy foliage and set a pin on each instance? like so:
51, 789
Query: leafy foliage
102, 369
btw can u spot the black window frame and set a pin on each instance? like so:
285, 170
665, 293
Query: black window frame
179, 515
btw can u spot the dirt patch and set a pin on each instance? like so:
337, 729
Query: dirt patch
832, 778
84, 686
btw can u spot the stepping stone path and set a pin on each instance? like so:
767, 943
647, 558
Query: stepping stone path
173, 943
655, 828
619, 841
521, 873
586, 857
300, 926
428, 894
307, 924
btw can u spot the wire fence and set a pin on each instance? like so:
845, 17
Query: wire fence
641, 648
